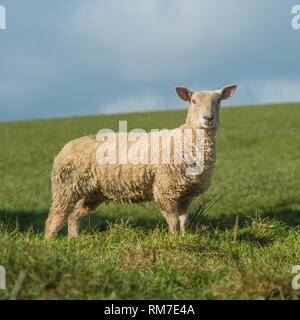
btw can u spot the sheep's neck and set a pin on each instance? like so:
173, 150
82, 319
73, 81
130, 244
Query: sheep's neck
209, 145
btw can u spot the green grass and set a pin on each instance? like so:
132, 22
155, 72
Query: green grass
125, 252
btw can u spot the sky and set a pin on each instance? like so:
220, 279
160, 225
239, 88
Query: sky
80, 57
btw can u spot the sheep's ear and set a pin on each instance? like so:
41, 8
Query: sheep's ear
184, 93
227, 91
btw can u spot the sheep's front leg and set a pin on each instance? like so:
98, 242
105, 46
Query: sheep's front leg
169, 209
172, 220
184, 223
183, 207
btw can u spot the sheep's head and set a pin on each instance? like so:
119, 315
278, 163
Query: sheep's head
204, 106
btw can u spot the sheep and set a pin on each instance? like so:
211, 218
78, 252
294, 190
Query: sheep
81, 182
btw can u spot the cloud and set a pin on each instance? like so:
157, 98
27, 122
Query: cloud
84, 57
163, 38
278, 90
139, 103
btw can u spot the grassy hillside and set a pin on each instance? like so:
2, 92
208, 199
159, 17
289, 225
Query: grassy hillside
258, 160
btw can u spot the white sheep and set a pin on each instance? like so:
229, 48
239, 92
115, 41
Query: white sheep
80, 181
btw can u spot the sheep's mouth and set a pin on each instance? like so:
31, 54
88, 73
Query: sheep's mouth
209, 127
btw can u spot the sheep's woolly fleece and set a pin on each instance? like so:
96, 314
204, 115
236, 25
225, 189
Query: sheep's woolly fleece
77, 174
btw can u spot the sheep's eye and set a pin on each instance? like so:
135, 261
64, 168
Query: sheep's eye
194, 101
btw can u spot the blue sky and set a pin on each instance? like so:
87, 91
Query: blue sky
77, 57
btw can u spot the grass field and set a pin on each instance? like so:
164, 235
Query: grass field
126, 252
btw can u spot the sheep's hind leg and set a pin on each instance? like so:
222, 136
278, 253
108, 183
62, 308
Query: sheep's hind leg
82, 208
60, 209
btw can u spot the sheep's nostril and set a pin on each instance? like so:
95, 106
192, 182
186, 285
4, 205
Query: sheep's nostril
208, 118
